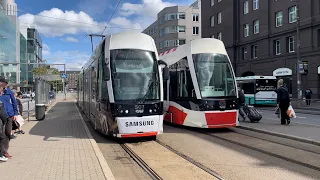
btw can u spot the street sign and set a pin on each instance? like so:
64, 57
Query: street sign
64, 76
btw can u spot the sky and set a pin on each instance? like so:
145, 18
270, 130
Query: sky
64, 24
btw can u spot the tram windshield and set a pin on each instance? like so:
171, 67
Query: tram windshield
134, 75
214, 75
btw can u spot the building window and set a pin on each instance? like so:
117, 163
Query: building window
254, 50
220, 36
256, 26
244, 53
219, 18
212, 36
255, 4
195, 31
182, 16
291, 44
212, 21
279, 16
181, 29
277, 47
246, 30
161, 45
182, 41
212, 2
318, 37
195, 17
246, 7
292, 14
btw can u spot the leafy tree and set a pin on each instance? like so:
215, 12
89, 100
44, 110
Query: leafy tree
45, 70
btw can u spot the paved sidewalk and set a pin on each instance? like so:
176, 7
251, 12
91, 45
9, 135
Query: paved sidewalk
56, 148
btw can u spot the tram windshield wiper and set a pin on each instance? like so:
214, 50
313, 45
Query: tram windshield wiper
152, 85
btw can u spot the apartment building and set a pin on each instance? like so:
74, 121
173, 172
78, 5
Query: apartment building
175, 26
72, 79
261, 37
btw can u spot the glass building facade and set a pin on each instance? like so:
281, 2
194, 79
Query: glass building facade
23, 59
8, 49
34, 49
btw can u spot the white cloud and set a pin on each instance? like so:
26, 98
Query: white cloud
45, 50
74, 60
70, 39
148, 8
57, 27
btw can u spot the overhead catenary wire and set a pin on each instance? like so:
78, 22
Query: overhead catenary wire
115, 10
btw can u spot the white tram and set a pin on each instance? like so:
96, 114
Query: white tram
201, 91
121, 86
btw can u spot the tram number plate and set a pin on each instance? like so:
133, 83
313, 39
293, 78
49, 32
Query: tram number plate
139, 108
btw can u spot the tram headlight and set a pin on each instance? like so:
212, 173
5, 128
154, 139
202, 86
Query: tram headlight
127, 111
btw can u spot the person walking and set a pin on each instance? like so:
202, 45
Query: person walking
3, 122
242, 102
10, 105
308, 94
18, 96
32, 96
283, 101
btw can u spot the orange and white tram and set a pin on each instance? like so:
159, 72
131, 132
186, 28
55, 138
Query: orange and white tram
201, 91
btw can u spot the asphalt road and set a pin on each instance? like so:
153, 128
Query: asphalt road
302, 119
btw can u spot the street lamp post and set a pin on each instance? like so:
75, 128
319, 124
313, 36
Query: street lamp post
299, 91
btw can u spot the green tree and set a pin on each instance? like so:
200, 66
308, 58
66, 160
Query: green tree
45, 70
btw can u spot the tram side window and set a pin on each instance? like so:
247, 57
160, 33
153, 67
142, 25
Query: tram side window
103, 90
94, 81
173, 85
165, 89
186, 89
248, 88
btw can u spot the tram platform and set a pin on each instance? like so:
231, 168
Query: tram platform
59, 147
297, 129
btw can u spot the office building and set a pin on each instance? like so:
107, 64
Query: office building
175, 26
261, 37
34, 49
72, 80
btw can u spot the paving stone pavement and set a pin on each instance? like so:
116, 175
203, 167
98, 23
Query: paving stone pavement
56, 148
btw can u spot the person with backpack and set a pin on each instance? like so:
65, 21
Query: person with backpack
242, 103
283, 100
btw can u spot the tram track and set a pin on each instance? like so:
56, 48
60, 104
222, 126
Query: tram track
287, 149
140, 162
152, 172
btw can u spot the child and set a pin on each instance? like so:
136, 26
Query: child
18, 96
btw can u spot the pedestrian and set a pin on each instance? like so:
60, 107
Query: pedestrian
308, 94
18, 96
283, 101
242, 103
3, 121
32, 96
10, 105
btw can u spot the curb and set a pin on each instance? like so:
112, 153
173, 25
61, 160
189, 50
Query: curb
305, 140
103, 163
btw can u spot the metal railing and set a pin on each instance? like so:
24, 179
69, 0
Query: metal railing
31, 109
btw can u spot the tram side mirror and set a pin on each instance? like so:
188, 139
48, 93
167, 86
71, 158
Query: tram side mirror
165, 72
106, 73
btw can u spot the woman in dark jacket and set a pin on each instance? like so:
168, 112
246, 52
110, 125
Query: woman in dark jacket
283, 100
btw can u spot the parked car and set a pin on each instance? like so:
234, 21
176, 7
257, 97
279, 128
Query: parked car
52, 95
26, 95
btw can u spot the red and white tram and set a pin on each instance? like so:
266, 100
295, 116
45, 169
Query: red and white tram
202, 89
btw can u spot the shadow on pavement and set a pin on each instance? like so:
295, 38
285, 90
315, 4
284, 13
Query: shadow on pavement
62, 121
